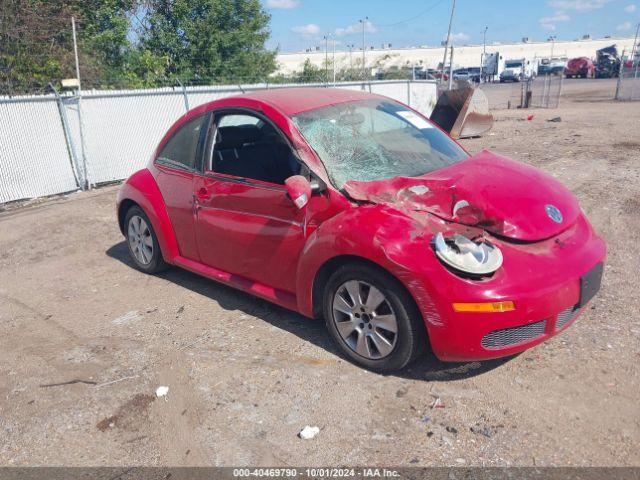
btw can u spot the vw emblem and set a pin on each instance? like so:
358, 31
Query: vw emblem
554, 213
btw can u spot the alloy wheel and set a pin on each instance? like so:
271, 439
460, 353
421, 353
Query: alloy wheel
140, 240
365, 319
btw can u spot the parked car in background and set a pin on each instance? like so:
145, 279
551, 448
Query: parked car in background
355, 208
581, 67
554, 66
473, 74
511, 74
438, 74
461, 74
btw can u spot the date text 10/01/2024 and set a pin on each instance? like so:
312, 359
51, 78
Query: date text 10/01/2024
316, 472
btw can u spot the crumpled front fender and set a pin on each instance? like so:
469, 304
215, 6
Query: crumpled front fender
379, 234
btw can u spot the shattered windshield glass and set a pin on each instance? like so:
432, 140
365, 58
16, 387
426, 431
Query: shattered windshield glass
375, 140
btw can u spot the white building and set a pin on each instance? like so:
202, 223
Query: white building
464, 56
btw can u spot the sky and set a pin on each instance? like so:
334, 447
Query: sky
300, 24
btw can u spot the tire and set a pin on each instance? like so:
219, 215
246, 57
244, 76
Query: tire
145, 253
369, 328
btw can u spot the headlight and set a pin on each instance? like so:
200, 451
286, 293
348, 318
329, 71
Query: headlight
467, 256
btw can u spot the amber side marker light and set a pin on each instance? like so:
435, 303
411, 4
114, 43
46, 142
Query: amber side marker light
484, 307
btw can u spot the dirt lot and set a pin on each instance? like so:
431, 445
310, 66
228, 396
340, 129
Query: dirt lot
246, 376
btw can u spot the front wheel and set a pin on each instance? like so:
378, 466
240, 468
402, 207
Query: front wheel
143, 242
372, 318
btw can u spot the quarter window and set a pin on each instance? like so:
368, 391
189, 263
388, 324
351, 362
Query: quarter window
181, 149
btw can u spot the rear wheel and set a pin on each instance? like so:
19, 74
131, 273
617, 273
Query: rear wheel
143, 242
372, 318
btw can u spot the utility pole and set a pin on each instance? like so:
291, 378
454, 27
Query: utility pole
484, 53
75, 50
364, 50
87, 184
326, 59
333, 61
620, 75
446, 45
634, 49
451, 69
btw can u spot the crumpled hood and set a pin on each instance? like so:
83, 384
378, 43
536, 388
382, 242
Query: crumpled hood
500, 195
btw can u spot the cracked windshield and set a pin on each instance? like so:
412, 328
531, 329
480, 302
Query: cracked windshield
375, 140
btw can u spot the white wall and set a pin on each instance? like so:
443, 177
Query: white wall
464, 56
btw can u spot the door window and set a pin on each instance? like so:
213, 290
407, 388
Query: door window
247, 146
181, 149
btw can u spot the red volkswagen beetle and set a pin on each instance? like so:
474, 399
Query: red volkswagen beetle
353, 207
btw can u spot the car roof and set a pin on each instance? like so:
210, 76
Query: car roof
292, 101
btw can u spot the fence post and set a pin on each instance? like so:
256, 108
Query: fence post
85, 168
71, 149
409, 92
620, 75
547, 91
635, 81
560, 90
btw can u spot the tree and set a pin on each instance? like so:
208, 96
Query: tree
105, 26
310, 73
220, 40
36, 44
132, 43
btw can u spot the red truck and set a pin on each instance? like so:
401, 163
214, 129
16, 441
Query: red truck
581, 67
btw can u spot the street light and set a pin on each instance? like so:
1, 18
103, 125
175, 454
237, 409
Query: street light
326, 59
364, 51
446, 45
351, 46
333, 62
484, 53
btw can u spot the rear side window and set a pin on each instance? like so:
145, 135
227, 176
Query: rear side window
181, 149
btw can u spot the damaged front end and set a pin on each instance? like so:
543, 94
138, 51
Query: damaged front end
467, 206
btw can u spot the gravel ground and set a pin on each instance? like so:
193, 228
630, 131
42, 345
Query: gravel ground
85, 340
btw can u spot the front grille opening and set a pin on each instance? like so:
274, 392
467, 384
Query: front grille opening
513, 336
566, 316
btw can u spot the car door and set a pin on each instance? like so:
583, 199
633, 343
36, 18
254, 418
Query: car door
175, 172
245, 223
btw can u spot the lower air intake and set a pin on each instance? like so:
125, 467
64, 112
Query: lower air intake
565, 316
513, 336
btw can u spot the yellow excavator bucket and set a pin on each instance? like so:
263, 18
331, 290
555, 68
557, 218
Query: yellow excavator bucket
463, 112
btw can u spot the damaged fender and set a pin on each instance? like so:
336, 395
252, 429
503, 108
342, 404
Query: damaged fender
380, 234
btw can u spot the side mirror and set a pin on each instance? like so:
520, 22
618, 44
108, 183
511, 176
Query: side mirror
299, 190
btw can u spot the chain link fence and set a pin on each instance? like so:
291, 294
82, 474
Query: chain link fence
544, 91
628, 88
58, 143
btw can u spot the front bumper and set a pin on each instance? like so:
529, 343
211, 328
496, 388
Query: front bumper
542, 279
